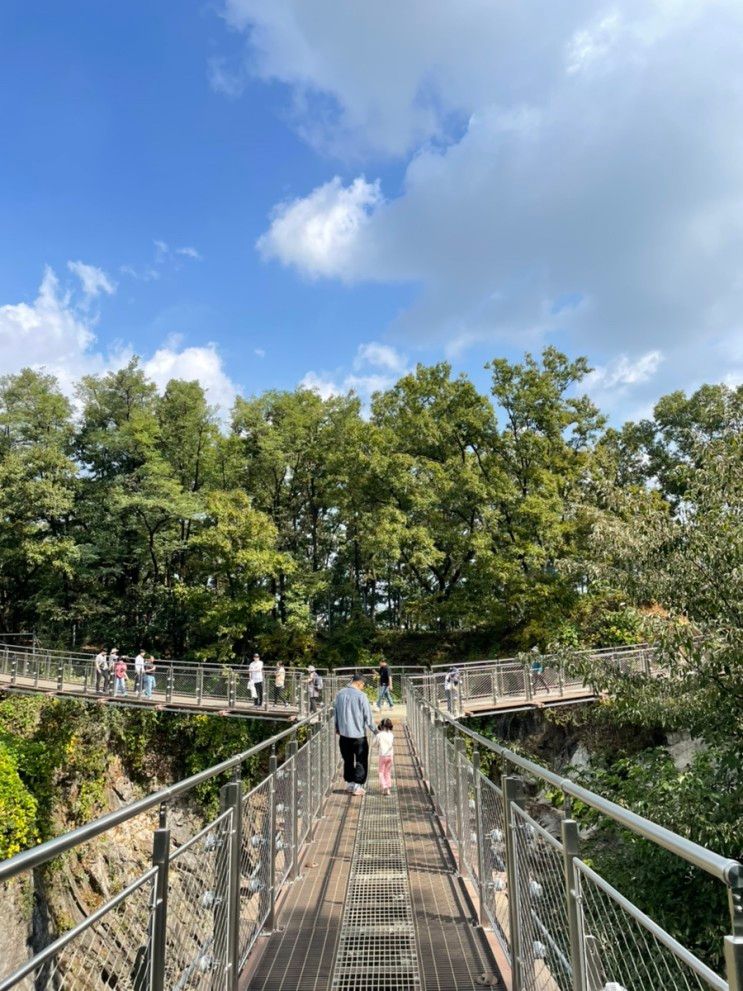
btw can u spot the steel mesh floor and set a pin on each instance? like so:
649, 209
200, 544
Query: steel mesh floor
377, 950
370, 895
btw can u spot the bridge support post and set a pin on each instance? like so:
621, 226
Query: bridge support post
169, 685
527, 682
199, 685
272, 765
480, 838
444, 802
513, 794
14, 670
294, 873
60, 676
461, 780
161, 860
734, 943
570, 848
230, 797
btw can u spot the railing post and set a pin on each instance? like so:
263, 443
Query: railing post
734, 943
494, 685
199, 684
272, 764
161, 860
458, 755
479, 838
60, 676
513, 793
527, 682
231, 690
169, 685
294, 810
14, 669
444, 797
570, 849
230, 796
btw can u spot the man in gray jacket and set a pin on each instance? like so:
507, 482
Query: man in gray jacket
353, 716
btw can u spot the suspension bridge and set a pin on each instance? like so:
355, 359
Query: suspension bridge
484, 687
456, 880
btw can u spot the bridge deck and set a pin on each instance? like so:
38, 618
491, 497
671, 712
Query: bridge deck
302, 953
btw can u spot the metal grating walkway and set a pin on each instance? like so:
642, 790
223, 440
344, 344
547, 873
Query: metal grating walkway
324, 914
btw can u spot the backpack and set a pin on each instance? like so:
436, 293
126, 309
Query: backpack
317, 683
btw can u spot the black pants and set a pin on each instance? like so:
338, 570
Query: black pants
100, 680
258, 693
355, 754
278, 695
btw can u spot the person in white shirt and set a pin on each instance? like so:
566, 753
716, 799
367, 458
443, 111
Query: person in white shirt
385, 741
255, 674
139, 672
278, 685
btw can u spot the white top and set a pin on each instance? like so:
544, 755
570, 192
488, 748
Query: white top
280, 677
255, 671
139, 662
100, 660
385, 740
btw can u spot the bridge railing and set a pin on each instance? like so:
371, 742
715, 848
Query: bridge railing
511, 682
192, 910
562, 925
175, 683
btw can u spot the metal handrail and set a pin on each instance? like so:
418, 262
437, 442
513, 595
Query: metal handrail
723, 868
41, 854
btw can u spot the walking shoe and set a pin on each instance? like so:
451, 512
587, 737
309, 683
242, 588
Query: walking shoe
359, 791
350, 786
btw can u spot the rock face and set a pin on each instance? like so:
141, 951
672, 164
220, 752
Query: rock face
61, 895
683, 748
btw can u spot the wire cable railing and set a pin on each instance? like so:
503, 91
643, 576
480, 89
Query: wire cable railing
191, 913
562, 926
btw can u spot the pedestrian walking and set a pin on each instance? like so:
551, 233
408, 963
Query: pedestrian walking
537, 673
451, 683
385, 685
120, 674
100, 666
385, 741
279, 681
139, 666
149, 677
113, 658
255, 674
353, 717
314, 688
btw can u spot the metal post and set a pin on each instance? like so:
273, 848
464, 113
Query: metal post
479, 836
734, 943
14, 669
60, 676
293, 809
231, 690
561, 678
444, 797
527, 683
513, 793
269, 924
230, 796
161, 860
169, 685
570, 849
458, 755
199, 685
494, 685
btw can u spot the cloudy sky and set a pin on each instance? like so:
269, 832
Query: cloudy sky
259, 193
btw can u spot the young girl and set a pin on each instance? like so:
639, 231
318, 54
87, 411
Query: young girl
385, 740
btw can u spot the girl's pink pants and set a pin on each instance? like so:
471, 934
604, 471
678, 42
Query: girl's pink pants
385, 772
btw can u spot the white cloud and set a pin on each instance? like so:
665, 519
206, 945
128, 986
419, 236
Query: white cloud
259, 352
53, 334
201, 363
622, 371
189, 252
380, 356
319, 233
586, 152
93, 280
365, 379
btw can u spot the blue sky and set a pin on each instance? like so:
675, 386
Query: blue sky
267, 193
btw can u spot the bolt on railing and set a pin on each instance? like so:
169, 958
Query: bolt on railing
192, 915
561, 924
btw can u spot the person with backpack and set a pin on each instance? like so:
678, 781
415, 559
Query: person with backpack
315, 686
451, 683
537, 671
